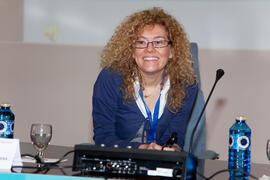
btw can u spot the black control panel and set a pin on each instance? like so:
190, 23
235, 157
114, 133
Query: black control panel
91, 159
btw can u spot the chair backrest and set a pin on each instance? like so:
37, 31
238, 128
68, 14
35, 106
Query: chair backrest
198, 144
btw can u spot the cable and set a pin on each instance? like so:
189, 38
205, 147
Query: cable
56, 162
228, 170
202, 176
44, 166
41, 161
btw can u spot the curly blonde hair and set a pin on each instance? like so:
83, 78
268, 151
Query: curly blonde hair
117, 54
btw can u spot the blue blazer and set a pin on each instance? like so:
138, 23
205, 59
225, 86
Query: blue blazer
116, 122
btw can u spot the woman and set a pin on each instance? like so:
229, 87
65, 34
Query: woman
147, 87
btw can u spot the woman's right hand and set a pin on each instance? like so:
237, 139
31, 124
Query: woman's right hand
152, 146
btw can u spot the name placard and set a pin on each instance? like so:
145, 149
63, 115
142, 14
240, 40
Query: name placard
10, 154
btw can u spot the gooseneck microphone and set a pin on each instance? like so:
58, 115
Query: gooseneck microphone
219, 74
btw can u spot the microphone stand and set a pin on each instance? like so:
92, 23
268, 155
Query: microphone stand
192, 161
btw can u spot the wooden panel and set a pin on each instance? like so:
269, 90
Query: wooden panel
11, 20
244, 90
50, 84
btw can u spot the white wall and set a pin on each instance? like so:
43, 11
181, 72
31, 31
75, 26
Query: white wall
215, 24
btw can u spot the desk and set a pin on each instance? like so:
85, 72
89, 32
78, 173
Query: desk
53, 151
211, 166
19, 176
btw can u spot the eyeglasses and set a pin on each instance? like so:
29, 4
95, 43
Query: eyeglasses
155, 44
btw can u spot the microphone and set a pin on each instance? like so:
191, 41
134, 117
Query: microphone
192, 161
171, 140
219, 74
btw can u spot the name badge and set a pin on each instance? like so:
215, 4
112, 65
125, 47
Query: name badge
10, 154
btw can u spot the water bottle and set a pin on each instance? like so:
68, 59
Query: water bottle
239, 149
6, 121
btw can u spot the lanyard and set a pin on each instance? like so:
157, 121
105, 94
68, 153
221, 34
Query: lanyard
153, 120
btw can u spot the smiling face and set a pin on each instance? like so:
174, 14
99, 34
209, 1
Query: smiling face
151, 60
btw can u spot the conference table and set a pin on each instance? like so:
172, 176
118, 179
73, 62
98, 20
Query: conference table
210, 166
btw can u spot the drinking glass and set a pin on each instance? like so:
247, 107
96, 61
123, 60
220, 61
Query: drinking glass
41, 135
268, 149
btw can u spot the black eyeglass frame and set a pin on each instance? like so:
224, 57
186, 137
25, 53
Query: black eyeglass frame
152, 42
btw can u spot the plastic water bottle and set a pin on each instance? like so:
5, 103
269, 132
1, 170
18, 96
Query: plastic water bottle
239, 149
6, 121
